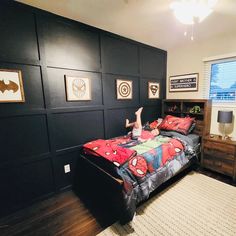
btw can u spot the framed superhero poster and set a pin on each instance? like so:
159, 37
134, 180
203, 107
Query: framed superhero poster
78, 89
153, 90
124, 89
11, 86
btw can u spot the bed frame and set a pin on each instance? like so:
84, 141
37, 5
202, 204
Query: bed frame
108, 187
106, 191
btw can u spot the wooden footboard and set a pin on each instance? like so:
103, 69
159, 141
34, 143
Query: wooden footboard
100, 191
94, 182
116, 181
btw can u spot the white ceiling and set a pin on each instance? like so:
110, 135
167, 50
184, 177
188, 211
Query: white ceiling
148, 21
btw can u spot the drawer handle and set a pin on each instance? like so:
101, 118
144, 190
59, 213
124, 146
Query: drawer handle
217, 163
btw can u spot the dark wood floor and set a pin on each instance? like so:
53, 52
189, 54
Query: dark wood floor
220, 177
64, 214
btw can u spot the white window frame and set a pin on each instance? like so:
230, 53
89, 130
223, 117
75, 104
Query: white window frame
207, 76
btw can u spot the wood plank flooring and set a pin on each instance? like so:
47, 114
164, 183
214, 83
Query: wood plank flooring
65, 214
218, 176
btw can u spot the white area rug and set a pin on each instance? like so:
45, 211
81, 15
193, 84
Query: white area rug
195, 205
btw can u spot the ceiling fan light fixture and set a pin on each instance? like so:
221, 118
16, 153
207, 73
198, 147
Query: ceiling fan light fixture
189, 12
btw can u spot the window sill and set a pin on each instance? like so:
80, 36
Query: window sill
224, 104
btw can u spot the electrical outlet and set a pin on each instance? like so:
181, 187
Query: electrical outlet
67, 168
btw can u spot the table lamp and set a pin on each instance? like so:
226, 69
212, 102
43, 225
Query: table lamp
224, 117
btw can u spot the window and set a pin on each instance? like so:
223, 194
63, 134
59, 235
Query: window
220, 76
223, 81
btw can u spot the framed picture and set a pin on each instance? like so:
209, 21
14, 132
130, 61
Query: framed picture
124, 89
77, 89
153, 90
183, 83
11, 86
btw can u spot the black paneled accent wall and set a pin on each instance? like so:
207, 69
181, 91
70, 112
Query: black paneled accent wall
40, 136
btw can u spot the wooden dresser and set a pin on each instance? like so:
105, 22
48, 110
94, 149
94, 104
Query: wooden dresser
219, 155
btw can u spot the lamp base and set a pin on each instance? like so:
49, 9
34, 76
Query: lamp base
224, 136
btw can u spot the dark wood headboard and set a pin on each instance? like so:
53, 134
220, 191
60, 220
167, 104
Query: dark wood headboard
185, 107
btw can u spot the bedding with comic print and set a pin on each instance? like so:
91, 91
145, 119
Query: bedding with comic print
142, 164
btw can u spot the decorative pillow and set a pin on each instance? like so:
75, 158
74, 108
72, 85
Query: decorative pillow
178, 124
154, 124
150, 126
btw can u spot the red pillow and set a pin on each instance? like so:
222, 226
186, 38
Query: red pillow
154, 124
178, 124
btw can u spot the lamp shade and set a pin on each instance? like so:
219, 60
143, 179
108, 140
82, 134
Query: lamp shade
225, 116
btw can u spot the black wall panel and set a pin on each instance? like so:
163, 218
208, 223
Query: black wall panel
116, 120
22, 184
18, 36
72, 129
41, 135
117, 116
151, 113
124, 56
23, 136
110, 95
64, 180
70, 46
58, 92
152, 62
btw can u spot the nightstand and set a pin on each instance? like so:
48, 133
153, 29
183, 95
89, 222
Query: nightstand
219, 155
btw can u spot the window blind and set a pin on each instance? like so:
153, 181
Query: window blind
206, 80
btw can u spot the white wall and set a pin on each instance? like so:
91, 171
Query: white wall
189, 59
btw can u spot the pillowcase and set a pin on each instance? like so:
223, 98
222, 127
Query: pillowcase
178, 124
153, 125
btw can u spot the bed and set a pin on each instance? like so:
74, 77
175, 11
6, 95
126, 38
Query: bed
143, 165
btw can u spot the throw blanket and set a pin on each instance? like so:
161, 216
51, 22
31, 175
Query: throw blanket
155, 154
109, 150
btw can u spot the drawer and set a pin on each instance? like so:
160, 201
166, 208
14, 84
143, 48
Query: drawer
224, 167
218, 154
221, 166
222, 147
207, 162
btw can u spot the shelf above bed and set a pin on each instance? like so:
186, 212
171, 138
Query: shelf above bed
194, 114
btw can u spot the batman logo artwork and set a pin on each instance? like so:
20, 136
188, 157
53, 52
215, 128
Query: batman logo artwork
7, 87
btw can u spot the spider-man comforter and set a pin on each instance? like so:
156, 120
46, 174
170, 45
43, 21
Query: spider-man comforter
156, 160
